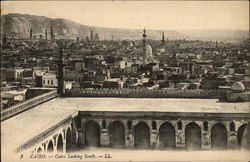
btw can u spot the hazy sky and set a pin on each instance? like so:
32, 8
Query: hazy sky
174, 15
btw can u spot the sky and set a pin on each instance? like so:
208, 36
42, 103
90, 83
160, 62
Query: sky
160, 15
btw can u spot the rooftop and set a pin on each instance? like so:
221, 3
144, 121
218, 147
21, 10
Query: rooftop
21, 128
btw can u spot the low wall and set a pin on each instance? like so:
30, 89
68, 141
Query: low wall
20, 107
144, 93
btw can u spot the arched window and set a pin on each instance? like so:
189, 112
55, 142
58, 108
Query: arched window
129, 123
104, 124
179, 125
154, 125
232, 127
205, 125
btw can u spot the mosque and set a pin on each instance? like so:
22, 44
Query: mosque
147, 53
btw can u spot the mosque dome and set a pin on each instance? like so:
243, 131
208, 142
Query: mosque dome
238, 86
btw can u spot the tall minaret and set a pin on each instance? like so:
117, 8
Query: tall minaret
91, 35
144, 41
51, 32
31, 34
163, 39
144, 35
46, 34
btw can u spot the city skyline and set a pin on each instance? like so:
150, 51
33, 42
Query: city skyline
167, 15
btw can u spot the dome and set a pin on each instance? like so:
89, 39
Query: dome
238, 86
149, 52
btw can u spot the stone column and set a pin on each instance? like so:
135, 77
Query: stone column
180, 139
54, 141
44, 145
154, 139
232, 140
104, 141
205, 140
81, 137
129, 138
64, 146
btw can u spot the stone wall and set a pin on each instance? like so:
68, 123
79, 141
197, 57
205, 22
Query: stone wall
145, 93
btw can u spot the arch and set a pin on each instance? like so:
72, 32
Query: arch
50, 147
243, 137
117, 134
219, 137
92, 134
192, 136
39, 150
68, 140
60, 143
142, 135
167, 136
205, 126
232, 126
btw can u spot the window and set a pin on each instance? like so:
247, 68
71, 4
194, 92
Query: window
179, 124
47, 81
51, 82
205, 125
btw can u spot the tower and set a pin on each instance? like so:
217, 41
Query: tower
216, 44
31, 34
60, 77
91, 35
144, 36
163, 39
51, 32
46, 34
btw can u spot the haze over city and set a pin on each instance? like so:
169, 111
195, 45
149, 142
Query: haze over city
160, 15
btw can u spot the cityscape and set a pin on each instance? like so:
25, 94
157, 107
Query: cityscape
103, 87
91, 63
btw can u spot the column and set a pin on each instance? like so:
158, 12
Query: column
180, 139
54, 141
232, 140
129, 136
154, 138
81, 138
205, 140
64, 146
104, 141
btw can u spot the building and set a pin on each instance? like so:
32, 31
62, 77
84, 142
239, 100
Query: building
49, 80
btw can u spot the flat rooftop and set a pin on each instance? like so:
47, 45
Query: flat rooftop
24, 126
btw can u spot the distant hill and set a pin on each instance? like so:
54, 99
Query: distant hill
20, 24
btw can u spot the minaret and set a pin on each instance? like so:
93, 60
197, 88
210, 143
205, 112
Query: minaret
163, 39
51, 32
46, 34
31, 34
144, 41
91, 35
144, 35
216, 44
60, 77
